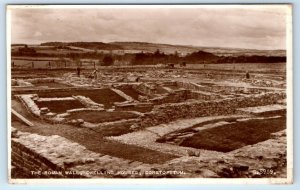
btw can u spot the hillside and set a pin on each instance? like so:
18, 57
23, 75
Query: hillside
138, 47
152, 47
168, 49
86, 45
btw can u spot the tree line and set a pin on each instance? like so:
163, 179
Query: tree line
157, 57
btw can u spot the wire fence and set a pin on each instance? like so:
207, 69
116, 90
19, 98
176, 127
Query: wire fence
46, 64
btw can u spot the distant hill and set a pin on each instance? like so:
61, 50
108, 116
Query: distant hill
87, 45
152, 47
137, 47
243, 52
168, 49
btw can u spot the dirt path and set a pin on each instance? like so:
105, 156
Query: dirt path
90, 139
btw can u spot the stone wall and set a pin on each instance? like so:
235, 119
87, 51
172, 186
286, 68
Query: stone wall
37, 156
176, 96
200, 95
169, 83
146, 88
122, 94
27, 100
40, 156
235, 89
54, 156
42, 80
29, 162
183, 95
221, 89
46, 90
189, 85
88, 102
170, 112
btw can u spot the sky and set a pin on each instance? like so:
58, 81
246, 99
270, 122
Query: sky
251, 27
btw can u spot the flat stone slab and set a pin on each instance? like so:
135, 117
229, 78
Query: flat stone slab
23, 119
55, 99
263, 109
212, 125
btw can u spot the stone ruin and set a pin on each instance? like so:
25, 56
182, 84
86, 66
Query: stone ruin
145, 111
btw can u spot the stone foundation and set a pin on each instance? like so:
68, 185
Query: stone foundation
55, 157
170, 112
221, 89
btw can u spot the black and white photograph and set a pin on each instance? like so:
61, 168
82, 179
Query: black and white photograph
115, 92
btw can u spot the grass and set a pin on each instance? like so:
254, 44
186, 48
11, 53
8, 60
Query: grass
49, 51
142, 109
28, 63
40, 73
101, 116
60, 106
235, 135
51, 84
116, 130
101, 96
167, 137
241, 66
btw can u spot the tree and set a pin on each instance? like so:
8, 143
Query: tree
157, 52
107, 60
176, 53
27, 51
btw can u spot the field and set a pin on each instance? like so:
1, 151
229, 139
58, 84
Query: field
267, 67
51, 85
31, 62
99, 116
54, 63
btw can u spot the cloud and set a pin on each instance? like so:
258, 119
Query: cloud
260, 27
37, 34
